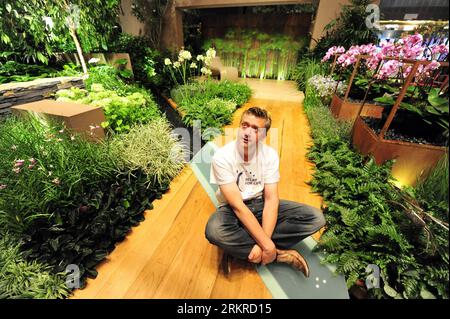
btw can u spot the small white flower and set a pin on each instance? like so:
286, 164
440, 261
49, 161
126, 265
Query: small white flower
205, 71
193, 65
180, 59
200, 57
93, 60
185, 55
48, 22
72, 138
14, 147
211, 53
177, 64
167, 61
207, 61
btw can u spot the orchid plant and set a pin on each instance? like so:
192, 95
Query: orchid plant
383, 71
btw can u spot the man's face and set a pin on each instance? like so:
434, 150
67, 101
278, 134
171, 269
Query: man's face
251, 130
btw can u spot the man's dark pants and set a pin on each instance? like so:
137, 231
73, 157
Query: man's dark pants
295, 222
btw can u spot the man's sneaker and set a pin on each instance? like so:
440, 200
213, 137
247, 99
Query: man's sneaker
226, 263
293, 258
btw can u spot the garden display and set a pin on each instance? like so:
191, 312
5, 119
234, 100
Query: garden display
258, 55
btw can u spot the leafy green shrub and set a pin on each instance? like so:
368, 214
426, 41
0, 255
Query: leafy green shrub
237, 92
212, 114
109, 77
20, 278
144, 59
213, 103
152, 149
121, 112
12, 71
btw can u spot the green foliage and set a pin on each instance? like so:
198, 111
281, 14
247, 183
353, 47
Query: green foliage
124, 105
152, 149
434, 188
147, 66
305, 69
370, 221
258, 54
71, 200
213, 103
48, 177
348, 29
25, 31
151, 13
22, 279
12, 71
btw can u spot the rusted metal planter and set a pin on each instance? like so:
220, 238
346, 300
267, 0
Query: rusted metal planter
346, 110
411, 159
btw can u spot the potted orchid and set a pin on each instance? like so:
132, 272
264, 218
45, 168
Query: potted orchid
411, 81
373, 71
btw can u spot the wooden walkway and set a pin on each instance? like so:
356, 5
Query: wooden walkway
167, 255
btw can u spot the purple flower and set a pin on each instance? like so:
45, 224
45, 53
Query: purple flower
16, 170
32, 161
332, 51
389, 69
30, 166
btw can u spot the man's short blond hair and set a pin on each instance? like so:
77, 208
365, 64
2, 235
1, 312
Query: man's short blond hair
261, 113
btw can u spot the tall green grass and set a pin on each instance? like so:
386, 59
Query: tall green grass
257, 54
57, 166
305, 69
435, 186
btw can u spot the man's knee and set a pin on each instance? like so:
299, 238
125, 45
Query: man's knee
319, 220
212, 230
310, 215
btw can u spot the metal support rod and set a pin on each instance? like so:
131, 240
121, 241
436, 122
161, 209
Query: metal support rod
400, 97
352, 77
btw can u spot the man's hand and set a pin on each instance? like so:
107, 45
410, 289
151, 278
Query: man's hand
269, 254
255, 255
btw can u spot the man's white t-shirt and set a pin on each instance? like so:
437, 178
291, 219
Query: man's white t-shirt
228, 167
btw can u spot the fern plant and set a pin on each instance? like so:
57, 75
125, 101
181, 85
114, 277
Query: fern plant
370, 221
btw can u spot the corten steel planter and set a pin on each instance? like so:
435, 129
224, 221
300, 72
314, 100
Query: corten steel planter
342, 108
412, 160
346, 110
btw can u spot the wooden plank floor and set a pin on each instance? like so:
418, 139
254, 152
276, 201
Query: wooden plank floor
167, 255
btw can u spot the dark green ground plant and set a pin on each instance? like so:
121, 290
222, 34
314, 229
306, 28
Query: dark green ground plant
23, 279
69, 200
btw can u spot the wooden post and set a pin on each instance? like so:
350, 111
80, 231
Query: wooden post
400, 97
